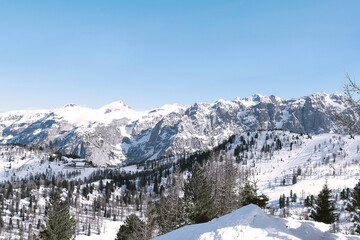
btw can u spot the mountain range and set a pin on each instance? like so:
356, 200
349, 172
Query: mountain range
116, 134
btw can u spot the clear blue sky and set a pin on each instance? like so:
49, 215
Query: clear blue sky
148, 53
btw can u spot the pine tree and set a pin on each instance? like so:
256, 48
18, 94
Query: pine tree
324, 207
248, 195
89, 230
354, 206
132, 229
1, 223
198, 199
30, 233
59, 224
282, 201
38, 224
156, 186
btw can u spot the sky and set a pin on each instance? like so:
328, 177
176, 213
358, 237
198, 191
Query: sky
150, 53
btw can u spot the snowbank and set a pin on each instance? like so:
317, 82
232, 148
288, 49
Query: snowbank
250, 222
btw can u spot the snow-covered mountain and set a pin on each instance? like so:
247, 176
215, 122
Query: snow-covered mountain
250, 222
116, 133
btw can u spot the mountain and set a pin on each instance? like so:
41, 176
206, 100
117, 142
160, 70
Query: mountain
250, 222
116, 133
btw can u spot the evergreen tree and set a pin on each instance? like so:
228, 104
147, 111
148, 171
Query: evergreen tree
156, 186
59, 224
282, 201
354, 206
89, 230
1, 223
324, 207
30, 233
197, 191
132, 229
307, 202
10, 227
248, 195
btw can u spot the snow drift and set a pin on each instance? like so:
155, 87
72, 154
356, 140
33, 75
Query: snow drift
250, 222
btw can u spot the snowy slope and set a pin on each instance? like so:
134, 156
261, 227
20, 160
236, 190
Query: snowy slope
18, 162
250, 222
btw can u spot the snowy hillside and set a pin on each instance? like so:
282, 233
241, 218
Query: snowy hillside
115, 133
283, 163
250, 222
26, 163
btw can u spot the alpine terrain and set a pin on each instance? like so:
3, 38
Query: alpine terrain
115, 134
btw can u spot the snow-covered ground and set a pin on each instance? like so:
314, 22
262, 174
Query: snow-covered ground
250, 222
110, 229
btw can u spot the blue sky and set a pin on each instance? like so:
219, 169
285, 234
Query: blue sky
148, 53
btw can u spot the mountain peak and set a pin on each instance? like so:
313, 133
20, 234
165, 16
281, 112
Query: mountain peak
257, 97
70, 105
115, 106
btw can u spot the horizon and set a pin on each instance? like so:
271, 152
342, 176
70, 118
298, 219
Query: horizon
164, 104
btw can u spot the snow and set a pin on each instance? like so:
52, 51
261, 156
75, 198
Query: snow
111, 229
115, 106
81, 116
166, 109
250, 222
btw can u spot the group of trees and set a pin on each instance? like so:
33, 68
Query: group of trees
323, 208
211, 189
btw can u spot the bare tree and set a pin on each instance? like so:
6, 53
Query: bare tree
350, 122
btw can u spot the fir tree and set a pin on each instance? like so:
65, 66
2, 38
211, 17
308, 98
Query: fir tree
324, 207
1, 223
156, 186
354, 206
30, 232
59, 224
89, 230
282, 201
132, 229
197, 191
248, 195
